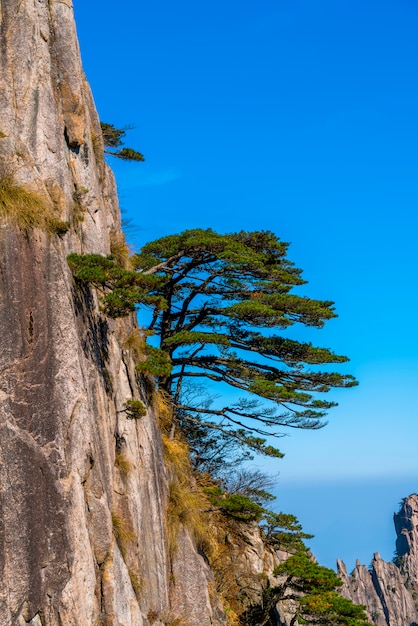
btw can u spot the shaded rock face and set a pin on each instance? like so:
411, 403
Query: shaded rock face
82, 538
389, 590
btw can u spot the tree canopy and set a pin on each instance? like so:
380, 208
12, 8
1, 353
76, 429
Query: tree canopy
223, 299
313, 587
220, 306
313, 590
113, 139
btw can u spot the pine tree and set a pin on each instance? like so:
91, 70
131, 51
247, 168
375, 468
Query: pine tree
220, 306
113, 138
223, 299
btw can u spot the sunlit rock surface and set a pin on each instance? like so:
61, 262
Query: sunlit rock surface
389, 590
65, 372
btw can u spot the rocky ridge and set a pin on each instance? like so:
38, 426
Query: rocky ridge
389, 590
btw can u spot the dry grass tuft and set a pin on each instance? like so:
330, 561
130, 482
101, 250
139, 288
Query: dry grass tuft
123, 532
153, 616
120, 249
166, 618
233, 618
136, 582
98, 147
122, 463
187, 504
26, 208
135, 342
164, 410
186, 508
176, 453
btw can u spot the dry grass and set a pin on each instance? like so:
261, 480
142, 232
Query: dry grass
123, 532
136, 582
123, 464
186, 507
166, 618
176, 454
26, 208
136, 342
120, 249
187, 504
233, 619
164, 410
78, 210
98, 147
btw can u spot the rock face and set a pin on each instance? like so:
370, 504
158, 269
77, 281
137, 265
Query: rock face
82, 536
389, 590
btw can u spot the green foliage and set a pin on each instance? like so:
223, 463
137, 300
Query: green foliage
135, 409
122, 288
313, 587
113, 138
331, 609
157, 363
58, 227
237, 506
216, 303
128, 154
215, 291
284, 532
306, 575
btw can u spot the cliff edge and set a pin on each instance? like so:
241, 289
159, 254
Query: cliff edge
83, 489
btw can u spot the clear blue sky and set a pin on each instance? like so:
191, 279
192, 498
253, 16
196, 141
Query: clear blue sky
301, 117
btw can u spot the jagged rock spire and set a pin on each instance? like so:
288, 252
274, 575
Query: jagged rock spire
388, 590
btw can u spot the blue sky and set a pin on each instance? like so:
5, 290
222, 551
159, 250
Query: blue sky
300, 117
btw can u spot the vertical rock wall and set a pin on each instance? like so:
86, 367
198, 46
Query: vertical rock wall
82, 540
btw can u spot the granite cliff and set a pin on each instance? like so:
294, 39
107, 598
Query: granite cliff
87, 491
86, 494
82, 539
389, 590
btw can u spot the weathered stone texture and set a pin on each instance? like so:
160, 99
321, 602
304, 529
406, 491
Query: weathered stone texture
388, 590
65, 373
